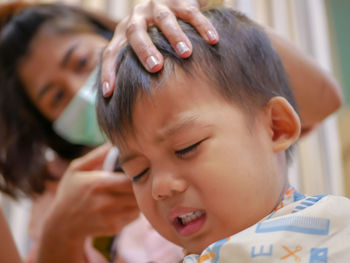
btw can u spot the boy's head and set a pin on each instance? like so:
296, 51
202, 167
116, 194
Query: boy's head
204, 140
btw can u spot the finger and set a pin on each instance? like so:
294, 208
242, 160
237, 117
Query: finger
109, 58
117, 214
111, 182
101, 203
113, 222
125, 203
109, 222
143, 46
130, 216
109, 62
119, 203
193, 16
91, 161
166, 21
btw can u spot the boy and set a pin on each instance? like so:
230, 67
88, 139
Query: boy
206, 144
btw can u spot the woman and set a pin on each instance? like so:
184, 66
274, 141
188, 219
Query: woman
41, 92
44, 97
34, 96
67, 41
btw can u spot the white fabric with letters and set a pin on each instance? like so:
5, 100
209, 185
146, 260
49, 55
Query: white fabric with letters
312, 229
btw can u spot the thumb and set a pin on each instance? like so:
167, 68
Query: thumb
117, 183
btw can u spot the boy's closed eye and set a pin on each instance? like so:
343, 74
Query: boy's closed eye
136, 178
135, 169
183, 153
188, 151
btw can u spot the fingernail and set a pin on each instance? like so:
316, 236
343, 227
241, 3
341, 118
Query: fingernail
211, 35
105, 88
152, 62
182, 48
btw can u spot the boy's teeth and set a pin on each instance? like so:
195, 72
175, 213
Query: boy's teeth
187, 218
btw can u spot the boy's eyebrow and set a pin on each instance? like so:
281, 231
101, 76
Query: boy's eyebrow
167, 131
178, 125
126, 158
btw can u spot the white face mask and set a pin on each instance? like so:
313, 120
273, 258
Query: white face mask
78, 122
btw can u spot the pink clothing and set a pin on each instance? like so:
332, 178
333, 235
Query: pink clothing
139, 243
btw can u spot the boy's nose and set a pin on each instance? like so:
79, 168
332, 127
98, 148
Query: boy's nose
165, 185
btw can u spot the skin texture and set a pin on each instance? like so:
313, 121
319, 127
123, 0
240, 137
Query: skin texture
192, 151
8, 250
52, 87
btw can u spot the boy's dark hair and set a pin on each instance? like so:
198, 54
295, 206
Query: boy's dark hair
243, 67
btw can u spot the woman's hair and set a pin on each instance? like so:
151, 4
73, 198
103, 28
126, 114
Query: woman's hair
25, 134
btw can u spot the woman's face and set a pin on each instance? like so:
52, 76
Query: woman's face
57, 66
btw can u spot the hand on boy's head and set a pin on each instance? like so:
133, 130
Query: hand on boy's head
133, 29
103, 201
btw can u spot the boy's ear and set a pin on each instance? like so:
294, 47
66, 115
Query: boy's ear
284, 123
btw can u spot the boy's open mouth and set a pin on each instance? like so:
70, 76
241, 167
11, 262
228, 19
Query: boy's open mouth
189, 223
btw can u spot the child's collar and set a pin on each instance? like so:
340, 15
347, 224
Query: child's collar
290, 196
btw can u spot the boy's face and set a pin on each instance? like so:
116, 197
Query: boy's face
202, 170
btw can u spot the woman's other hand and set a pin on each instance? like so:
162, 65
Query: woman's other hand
88, 202
133, 29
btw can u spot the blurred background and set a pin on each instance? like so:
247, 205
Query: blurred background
321, 29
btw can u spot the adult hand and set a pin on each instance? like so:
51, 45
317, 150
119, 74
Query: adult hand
133, 29
88, 202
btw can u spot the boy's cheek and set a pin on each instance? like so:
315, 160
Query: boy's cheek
148, 209
143, 199
147, 205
